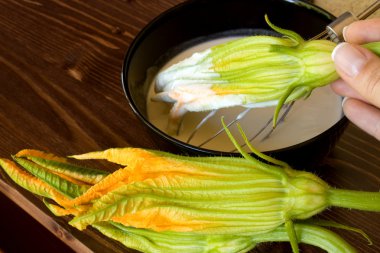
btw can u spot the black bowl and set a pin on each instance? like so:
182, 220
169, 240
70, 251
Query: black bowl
198, 20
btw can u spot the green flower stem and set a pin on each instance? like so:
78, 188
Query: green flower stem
360, 200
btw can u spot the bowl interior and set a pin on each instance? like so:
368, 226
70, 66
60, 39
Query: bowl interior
197, 21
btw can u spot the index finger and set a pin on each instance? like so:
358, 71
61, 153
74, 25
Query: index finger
363, 31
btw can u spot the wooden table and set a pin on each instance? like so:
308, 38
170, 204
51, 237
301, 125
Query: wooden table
60, 65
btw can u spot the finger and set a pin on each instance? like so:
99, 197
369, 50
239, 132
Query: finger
365, 116
341, 88
362, 31
360, 69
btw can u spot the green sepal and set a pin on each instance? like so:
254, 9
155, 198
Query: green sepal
288, 33
309, 234
254, 151
333, 224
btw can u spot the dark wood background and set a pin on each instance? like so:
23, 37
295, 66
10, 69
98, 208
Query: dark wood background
60, 91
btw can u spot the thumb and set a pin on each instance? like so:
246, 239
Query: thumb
360, 68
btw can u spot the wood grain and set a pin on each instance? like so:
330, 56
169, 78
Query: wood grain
61, 92
61, 62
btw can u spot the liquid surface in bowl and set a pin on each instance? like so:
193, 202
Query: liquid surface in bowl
307, 119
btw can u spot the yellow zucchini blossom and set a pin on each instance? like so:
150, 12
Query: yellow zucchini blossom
161, 202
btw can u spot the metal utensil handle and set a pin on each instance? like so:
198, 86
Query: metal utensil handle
335, 29
370, 10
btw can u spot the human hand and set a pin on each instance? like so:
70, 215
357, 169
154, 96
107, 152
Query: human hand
360, 72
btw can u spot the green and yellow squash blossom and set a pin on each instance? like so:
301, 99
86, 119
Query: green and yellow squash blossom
255, 71
161, 202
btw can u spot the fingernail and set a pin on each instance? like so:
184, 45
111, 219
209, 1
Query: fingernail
348, 59
344, 100
344, 32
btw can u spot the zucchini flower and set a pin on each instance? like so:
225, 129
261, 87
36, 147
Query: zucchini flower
213, 195
160, 202
145, 240
255, 71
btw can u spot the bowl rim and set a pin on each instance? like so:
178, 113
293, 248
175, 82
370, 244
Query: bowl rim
145, 31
